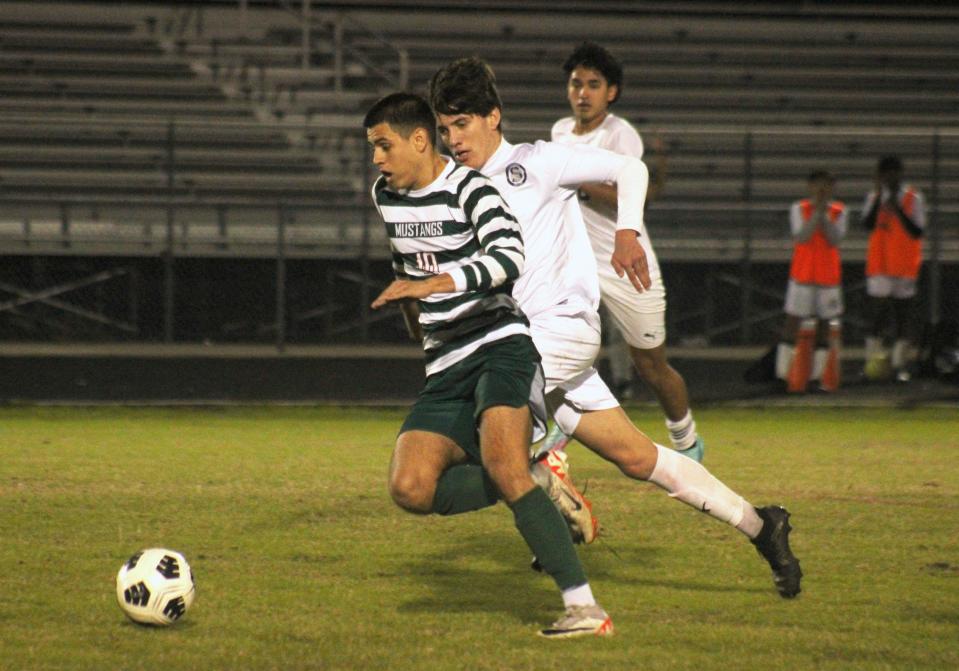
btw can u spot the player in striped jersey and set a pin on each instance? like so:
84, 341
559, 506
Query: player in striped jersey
539, 182
462, 228
457, 249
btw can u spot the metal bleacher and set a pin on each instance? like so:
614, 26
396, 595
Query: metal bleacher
127, 128
106, 137
230, 130
747, 99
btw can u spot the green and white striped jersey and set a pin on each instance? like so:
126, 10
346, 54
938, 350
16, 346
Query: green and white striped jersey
459, 225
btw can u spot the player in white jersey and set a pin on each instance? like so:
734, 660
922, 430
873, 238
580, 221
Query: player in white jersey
457, 249
539, 183
594, 83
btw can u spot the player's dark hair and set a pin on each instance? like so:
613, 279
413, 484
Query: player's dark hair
887, 163
591, 55
404, 112
465, 86
821, 176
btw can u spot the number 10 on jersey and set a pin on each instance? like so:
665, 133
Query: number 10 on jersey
427, 261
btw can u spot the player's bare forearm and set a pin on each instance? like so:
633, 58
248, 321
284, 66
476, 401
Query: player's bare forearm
600, 197
401, 290
629, 258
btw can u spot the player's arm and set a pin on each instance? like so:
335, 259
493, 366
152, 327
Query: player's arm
835, 231
498, 234
802, 229
586, 165
603, 198
914, 224
405, 289
600, 197
871, 209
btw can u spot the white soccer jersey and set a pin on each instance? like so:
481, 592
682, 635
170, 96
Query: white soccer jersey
539, 182
616, 135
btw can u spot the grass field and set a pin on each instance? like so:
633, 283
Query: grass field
302, 562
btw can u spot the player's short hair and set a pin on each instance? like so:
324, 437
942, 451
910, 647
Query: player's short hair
821, 176
591, 55
404, 112
465, 86
887, 163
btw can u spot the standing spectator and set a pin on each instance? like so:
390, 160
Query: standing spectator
895, 215
814, 304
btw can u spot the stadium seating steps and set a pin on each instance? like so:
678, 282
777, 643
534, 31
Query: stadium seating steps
93, 97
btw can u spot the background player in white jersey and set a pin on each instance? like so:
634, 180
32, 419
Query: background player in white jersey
594, 83
456, 251
558, 290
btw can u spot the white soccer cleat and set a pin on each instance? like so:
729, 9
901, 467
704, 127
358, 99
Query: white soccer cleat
552, 474
580, 621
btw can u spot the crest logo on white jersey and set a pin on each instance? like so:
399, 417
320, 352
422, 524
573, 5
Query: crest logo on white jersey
515, 174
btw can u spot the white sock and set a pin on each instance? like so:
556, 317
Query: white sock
688, 481
784, 359
683, 432
751, 523
819, 358
578, 596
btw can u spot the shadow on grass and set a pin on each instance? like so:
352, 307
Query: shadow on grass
484, 573
181, 625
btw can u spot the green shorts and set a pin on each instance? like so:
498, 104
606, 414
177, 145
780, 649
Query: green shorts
506, 372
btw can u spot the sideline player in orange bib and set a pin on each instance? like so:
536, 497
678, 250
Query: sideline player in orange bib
814, 304
895, 215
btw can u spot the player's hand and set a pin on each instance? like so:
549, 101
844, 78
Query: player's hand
629, 257
892, 196
401, 290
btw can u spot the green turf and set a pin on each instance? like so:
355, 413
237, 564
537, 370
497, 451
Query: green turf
302, 562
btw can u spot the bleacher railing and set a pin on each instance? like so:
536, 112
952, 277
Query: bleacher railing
185, 214
321, 33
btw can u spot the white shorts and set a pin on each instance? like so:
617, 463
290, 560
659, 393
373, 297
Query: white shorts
640, 317
886, 286
568, 345
812, 300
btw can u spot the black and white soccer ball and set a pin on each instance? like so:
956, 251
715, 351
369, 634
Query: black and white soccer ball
155, 586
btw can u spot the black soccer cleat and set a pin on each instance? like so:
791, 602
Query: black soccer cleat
773, 544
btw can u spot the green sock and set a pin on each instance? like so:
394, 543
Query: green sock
544, 530
464, 488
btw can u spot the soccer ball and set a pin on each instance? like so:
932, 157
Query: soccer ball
155, 586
